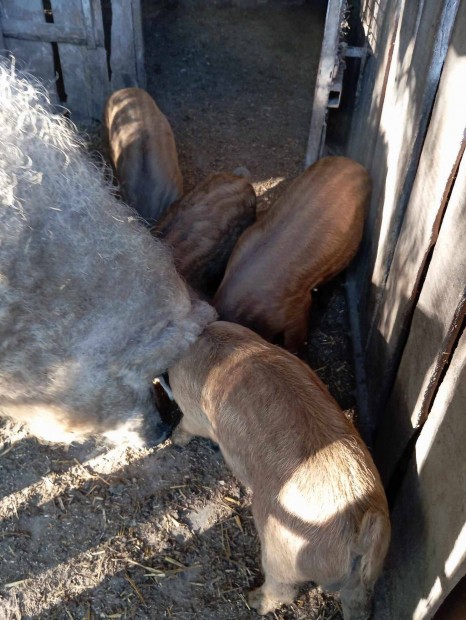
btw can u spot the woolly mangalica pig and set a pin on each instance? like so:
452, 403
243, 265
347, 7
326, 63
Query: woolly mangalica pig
318, 503
308, 236
143, 152
203, 227
91, 306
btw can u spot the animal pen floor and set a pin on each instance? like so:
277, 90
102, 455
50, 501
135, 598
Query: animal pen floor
90, 533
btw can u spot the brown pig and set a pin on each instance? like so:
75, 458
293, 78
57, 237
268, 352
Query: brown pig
308, 236
143, 152
203, 227
318, 503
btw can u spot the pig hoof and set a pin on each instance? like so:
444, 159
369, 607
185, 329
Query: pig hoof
260, 602
180, 437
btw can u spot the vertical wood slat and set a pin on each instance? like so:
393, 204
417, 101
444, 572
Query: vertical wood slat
366, 120
436, 321
126, 61
442, 150
88, 19
34, 57
427, 557
138, 43
84, 68
328, 66
420, 50
94, 20
2, 40
372, 16
366, 117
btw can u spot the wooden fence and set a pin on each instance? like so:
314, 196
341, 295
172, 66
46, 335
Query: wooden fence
408, 290
65, 43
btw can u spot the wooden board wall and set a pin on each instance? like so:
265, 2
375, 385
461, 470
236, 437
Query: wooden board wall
397, 390
35, 57
437, 318
387, 136
127, 58
427, 556
78, 36
409, 284
421, 283
84, 67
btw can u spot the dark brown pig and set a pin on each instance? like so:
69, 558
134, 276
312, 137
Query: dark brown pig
203, 227
143, 152
318, 503
308, 236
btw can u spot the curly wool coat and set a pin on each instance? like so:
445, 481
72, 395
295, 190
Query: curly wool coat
91, 307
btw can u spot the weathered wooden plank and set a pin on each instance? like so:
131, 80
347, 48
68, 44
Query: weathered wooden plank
2, 41
442, 150
427, 556
35, 57
365, 419
138, 43
420, 50
30, 31
97, 60
436, 320
328, 66
88, 19
125, 59
94, 20
372, 17
380, 21
73, 59
84, 68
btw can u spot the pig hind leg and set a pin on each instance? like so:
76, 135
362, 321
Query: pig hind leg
271, 595
295, 332
373, 540
181, 436
356, 601
279, 586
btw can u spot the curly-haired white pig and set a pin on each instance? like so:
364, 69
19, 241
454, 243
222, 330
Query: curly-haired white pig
91, 307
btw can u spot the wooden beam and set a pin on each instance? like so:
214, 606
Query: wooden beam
437, 318
52, 33
419, 53
427, 556
438, 166
35, 57
138, 43
328, 66
84, 68
126, 60
380, 21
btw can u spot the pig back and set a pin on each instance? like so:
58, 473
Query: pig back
308, 236
203, 227
143, 152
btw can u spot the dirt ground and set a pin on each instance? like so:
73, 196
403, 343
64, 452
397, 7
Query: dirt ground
90, 532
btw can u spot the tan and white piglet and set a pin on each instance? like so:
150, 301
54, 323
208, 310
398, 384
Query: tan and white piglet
307, 237
318, 503
143, 152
